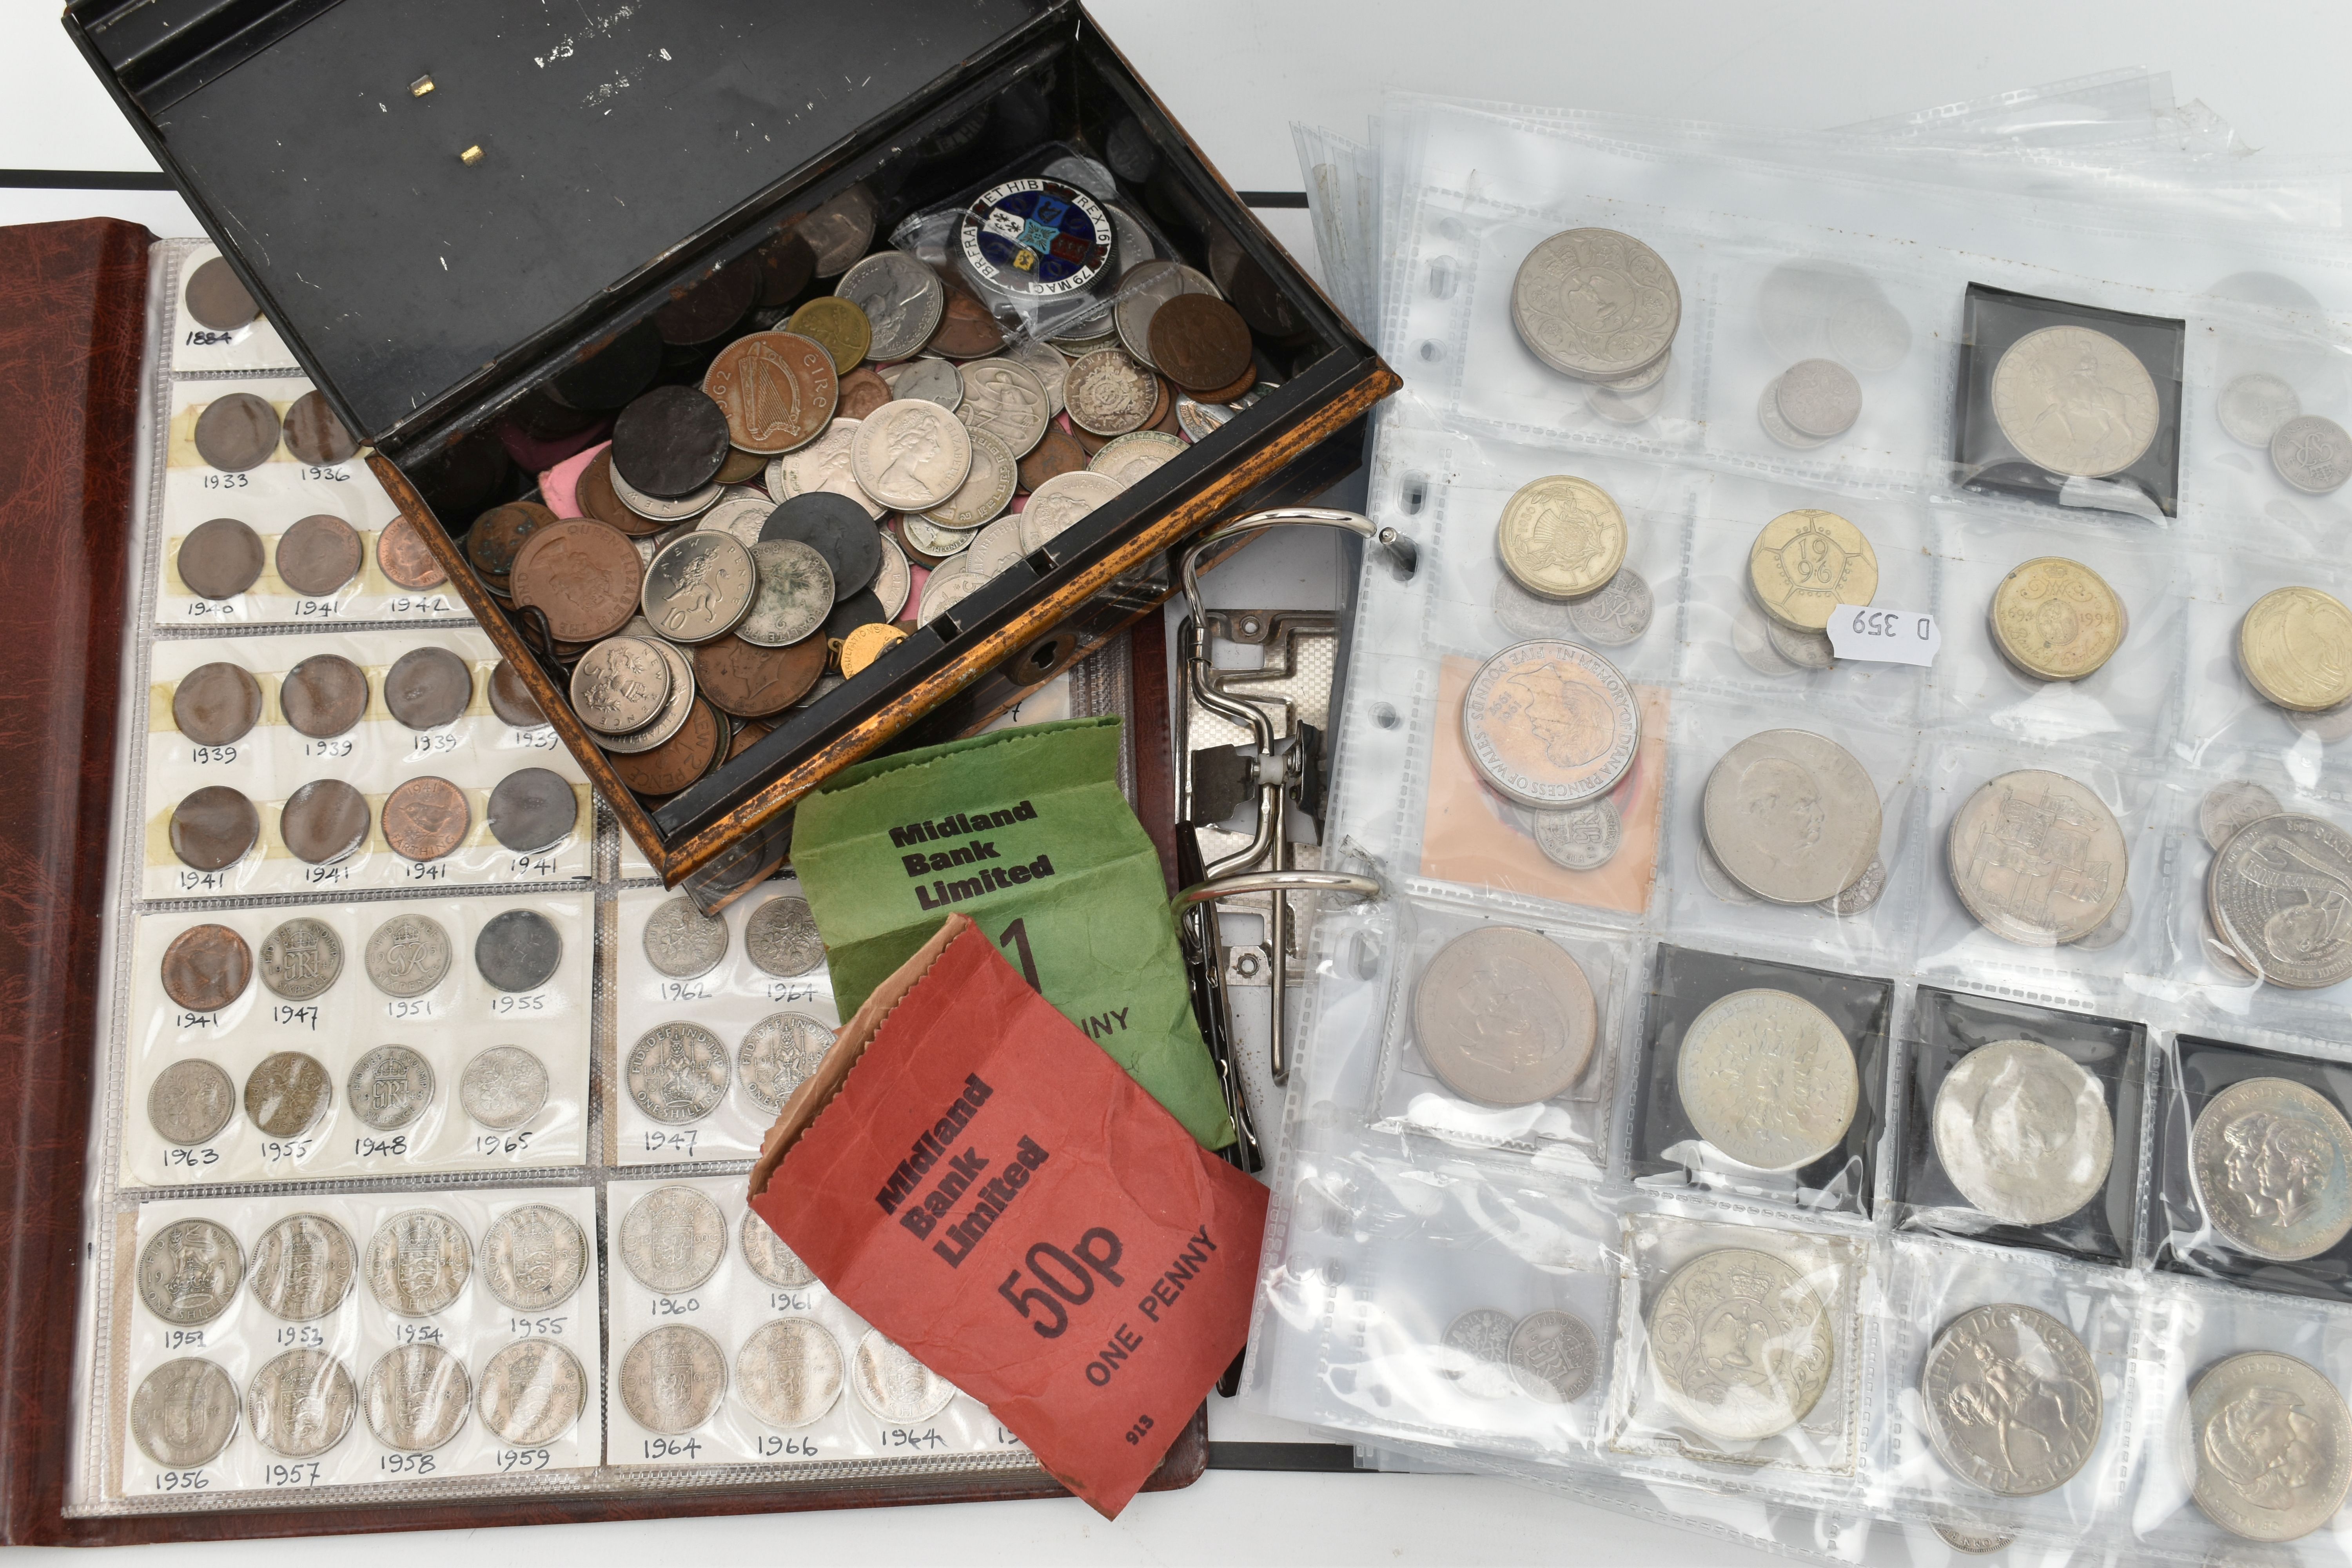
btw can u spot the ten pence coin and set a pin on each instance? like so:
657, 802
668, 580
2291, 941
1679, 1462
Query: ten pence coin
1594, 303
2011, 1400
1784, 1351
2074, 401
532, 1392
190, 1102
1505, 1016
300, 1404
425, 819
416, 1397
2057, 620
2023, 1132
2275, 891
789, 1372
1560, 537
2037, 857
1792, 815
184, 1413
287, 1094
2296, 646
303, 1266
319, 556
214, 827
672, 1239
189, 1272
699, 586
503, 1087
534, 1258
206, 967
2270, 1445
1767, 1079
673, 1378
1550, 723
2272, 1161
417, 1263
300, 958
910, 455
216, 704
1807, 563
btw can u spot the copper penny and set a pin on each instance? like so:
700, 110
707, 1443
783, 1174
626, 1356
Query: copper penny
862, 391
323, 696
669, 442
215, 704
214, 827
703, 311
217, 299
404, 559
679, 761
237, 432
512, 699
428, 687
753, 683
966, 330
775, 390
1058, 453
324, 821
533, 809
747, 734
319, 556
426, 818
584, 575
315, 435
741, 466
1232, 391
498, 534
599, 500
206, 968
787, 266
1200, 343
220, 558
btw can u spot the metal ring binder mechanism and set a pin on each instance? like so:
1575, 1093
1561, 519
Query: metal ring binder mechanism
1281, 768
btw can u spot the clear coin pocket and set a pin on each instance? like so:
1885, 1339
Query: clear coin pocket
2268, 653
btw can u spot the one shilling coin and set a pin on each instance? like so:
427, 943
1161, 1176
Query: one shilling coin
894, 1384
1505, 1016
1767, 1079
418, 1262
2023, 1132
678, 1073
303, 1268
1786, 1350
532, 1392
672, 1239
789, 1372
778, 1053
184, 1413
533, 1257
781, 937
1551, 724
2272, 1160
2271, 1446
770, 1258
300, 1404
673, 1379
416, 1397
188, 1274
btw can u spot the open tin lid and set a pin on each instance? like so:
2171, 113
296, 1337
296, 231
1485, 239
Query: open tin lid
324, 145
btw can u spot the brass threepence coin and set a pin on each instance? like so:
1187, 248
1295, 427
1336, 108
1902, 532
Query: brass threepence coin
2057, 620
511, 701
672, 1239
838, 327
188, 1274
425, 819
2272, 1160
901, 300
315, 435
301, 958
534, 1256
673, 1379
583, 576
2023, 1132
418, 1262
910, 455
867, 643
2269, 1443
214, 827
427, 687
2296, 646
765, 1252
206, 967
320, 555
2228, 806
1767, 1079
287, 1094
1200, 343
1792, 815
408, 956
620, 685
220, 558
1596, 304
503, 1087
670, 441
2275, 893
683, 942
795, 594
753, 683
324, 696
1551, 724
789, 1372
532, 1392
1553, 1357
416, 1397
2313, 454
778, 1055
1004, 399
499, 535
1786, 1347
1505, 1016
217, 299
237, 431
678, 1073
775, 391
519, 950
300, 1404
2037, 857
2013, 1400
532, 809
216, 704
184, 1413
1805, 563
677, 762
894, 1384
781, 937
190, 1102
2074, 401
404, 559
389, 1087
303, 1266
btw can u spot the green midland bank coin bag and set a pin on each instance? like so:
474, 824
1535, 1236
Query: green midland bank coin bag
1025, 831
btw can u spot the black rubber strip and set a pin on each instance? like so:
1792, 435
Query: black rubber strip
1281, 1456
86, 179
1272, 198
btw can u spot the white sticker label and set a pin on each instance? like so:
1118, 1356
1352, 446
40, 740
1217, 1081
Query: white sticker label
1889, 637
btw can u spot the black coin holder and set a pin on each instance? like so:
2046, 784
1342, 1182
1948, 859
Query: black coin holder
1945, 1026
1667, 1151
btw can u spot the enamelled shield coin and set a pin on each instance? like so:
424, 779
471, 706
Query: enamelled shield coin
1560, 537
2013, 1400
1594, 303
189, 1272
1034, 239
2278, 892
1767, 1079
2023, 1132
2037, 857
1505, 1016
2296, 646
2057, 620
678, 1073
1792, 815
2074, 401
672, 1239
532, 1392
1807, 563
534, 1258
2272, 1160
673, 1378
1550, 723
1740, 1345
2270, 1445
184, 1413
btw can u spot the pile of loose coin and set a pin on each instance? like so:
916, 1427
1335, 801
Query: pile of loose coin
1603, 308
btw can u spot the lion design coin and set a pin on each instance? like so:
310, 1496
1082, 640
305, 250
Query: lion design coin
2271, 1442
2037, 857
416, 1397
1505, 1016
1560, 537
1554, 1357
770, 1258
418, 1262
302, 1268
300, 1404
2057, 620
532, 1392
188, 1274
2023, 1132
895, 1385
1740, 1345
2013, 1400
673, 1379
678, 1073
2272, 1161
1551, 724
789, 1372
672, 1239
1791, 816
1807, 563
778, 1055
1767, 1079
534, 1258
1595, 304
2074, 401
2295, 648
184, 1413
2280, 893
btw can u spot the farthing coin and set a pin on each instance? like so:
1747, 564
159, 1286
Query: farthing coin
1058, 504
216, 704
1767, 1079
2311, 453
190, 1102
795, 594
532, 810
288, 1094
1007, 400
895, 1385
519, 950
1551, 724
408, 956
683, 942
206, 967
1594, 303
300, 1404
2271, 1442
427, 687
1560, 537
619, 685
2023, 1132
910, 455
1618, 615
2057, 620
678, 1073
789, 1372
2013, 1400
1806, 650
770, 1258
2253, 406
2296, 646
1554, 1357
301, 959
1740, 1345
389, 1087
1582, 838
188, 1274
778, 1055
2037, 857
416, 1397
672, 1239
534, 1258
2281, 892
2074, 401
417, 1263
503, 1087
184, 1413
673, 1379
699, 586
1505, 1016
1820, 398
532, 1392
902, 299
424, 819
1792, 815
781, 937
2272, 1165
2228, 806
1863, 891
1805, 563
302, 1268
987, 489
1480, 1343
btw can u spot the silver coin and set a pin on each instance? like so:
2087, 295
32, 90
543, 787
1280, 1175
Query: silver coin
781, 938
189, 1273
795, 594
1792, 815
503, 1087
683, 942
903, 300
770, 1258
389, 1087
930, 379
1973, 1543
789, 1372
1505, 1016
932, 540
301, 959
893, 581
1768, 414
1630, 386
2228, 806
1751, 639
1740, 1345
620, 685
674, 709
1819, 397
2271, 1161
1142, 289
1060, 503
288, 1094
1767, 1079
1551, 724
302, 1268
1582, 838
2011, 1400
532, 1392
1618, 614
910, 455
1553, 1357
1623, 407
2280, 892
1198, 421
1532, 620
2023, 1132
995, 550
895, 1385
408, 956
184, 1413
1004, 398
1806, 650
1110, 392
740, 517
678, 1073
2074, 401
2037, 857
2271, 1447
672, 1239
2311, 453
300, 1404
1594, 303
822, 464
673, 1379
1859, 895
1718, 881
661, 509
1042, 359
699, 586
778, 1055
416, 1397
1478, 1347
949, 586
2253, 406
418, 1262
190, 1102
1088, 175
534, 1258
1129, 458
2108, 931
982, 496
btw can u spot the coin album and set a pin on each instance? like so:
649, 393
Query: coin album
1856, 1025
